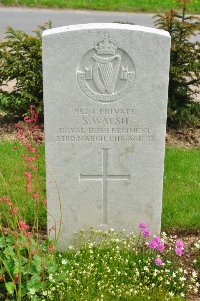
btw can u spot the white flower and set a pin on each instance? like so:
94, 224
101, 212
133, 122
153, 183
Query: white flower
182, 278
64, 261
182, 295
44, 293
32, 291
197, 244
194, 274
171, 294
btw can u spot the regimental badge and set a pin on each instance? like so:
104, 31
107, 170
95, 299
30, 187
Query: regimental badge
106, 72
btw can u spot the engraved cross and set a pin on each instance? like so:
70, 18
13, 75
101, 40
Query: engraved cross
105, 177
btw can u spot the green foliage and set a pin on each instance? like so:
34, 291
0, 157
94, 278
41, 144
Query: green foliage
14, 104
23, 263
21, 61
116, 5
184, 80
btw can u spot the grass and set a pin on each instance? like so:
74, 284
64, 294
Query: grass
181, 197
13, 182
110, 5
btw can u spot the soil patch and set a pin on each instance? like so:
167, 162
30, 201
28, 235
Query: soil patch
184, 138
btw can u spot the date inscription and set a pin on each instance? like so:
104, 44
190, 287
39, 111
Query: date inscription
104, 125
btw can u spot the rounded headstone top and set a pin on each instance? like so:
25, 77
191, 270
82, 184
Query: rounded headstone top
93, 26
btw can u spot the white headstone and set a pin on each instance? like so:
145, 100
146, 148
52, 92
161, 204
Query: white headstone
105, 97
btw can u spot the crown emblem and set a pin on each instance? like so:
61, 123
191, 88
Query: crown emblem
105, 45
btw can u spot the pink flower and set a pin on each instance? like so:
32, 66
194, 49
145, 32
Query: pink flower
160, 247
18, 125
146, 233
45, 202
27, 119
28, 175
23, 226
179, 247
179, 251
158, 261
142, 226
30, 159
28, 234
5, 231
33, 252
156, 239
179, 244
156, 243
14, 210
35, 195
29, 187
33, 150
152, 244
27, 145
51, 248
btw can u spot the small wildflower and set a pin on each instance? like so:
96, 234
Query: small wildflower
158, 262
179, 252
35, 196
146, 233
179, 244
28, 175
13, 210
51, 248
142, 226
23, 226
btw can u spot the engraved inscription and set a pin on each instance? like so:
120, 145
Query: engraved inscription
105, 177
101, 125
106, 73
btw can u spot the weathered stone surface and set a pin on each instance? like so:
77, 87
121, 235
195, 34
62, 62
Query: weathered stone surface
105, 93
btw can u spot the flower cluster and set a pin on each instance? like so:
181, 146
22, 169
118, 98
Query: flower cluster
156, 244
113, 266
179, 247
144, 230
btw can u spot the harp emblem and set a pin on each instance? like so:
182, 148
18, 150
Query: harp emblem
102, 75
